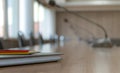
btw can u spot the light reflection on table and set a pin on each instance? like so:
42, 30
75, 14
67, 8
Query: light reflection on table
45, 48
78, 58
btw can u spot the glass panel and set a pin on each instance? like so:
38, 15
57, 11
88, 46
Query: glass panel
26, 17
47, 22
36, 18
13, 18
1, 19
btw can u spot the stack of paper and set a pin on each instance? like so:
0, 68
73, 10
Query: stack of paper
10, 60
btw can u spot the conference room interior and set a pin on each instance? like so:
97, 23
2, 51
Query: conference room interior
86, 32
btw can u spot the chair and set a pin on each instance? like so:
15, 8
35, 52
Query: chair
21, 39
32, 39
41, 41
1, 45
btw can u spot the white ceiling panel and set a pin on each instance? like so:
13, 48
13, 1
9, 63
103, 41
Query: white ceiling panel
81, 5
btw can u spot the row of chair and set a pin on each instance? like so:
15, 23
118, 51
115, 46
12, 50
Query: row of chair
32, 40
22, 42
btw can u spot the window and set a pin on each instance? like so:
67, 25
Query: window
26, 17
36, 18
2, 19
17, 15
13, 18
47, 22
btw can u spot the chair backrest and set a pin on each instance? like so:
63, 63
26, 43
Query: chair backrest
1, 45
21, 39
32, 39
41, 40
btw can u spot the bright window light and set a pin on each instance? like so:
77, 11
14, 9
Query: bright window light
1, 19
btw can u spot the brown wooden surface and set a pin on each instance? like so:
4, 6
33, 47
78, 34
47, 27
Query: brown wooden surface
110, 20
78, 58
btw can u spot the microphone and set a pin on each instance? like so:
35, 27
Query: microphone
105, 42
52, 3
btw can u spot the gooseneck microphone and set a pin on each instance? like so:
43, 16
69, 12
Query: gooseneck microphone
105, 42
75, 30
53, 3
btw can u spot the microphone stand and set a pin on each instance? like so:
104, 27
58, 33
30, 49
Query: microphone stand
53, 3
74, 28
80, 16
106, 42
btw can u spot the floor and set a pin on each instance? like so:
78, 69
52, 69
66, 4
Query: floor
78, 57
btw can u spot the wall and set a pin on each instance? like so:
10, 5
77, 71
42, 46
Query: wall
77, 27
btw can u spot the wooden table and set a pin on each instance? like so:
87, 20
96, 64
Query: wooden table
78, 58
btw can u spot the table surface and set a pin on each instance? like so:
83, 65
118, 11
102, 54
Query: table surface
78, 58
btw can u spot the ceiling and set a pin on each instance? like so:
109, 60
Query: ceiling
79, 5
92, 0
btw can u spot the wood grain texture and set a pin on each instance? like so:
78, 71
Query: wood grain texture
78, 58
110, 20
